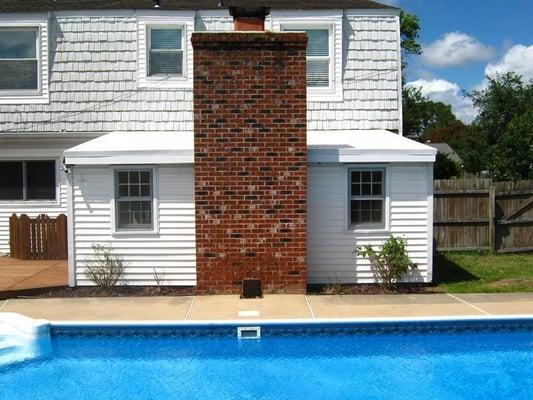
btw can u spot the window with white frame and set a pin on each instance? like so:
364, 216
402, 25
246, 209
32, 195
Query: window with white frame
165, 51
134, 200
367, 198
19, 59
318, 55
24, 60
28, 180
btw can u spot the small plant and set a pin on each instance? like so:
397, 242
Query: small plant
105, 268
159, 277
391, 263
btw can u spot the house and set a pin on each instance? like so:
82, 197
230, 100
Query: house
446, 149
213, 141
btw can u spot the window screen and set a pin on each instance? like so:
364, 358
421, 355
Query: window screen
134, 199
19, 62
318, 57
367, 197
166, 53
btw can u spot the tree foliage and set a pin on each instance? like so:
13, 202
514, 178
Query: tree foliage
410, 32
421, 114
513, 153
446, 168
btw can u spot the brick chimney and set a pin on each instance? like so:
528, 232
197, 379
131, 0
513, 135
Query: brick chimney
250, 160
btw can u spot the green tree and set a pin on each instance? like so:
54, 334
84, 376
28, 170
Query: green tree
410, 33
466, 140
505, 97
421, 114
445, 168
513, 153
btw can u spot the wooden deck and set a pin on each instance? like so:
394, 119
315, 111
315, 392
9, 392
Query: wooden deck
19, 277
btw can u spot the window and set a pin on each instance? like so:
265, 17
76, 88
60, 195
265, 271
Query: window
367, 198
28, 180
165, 51
19, 63
134, 199
318, 57
324, 49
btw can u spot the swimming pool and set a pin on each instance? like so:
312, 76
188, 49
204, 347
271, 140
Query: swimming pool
429, 359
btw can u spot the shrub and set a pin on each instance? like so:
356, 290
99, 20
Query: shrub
105, 268
391, 263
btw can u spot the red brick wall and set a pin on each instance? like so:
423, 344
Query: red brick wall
250, 160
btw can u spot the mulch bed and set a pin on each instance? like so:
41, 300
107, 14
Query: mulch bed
347, 289
120, 291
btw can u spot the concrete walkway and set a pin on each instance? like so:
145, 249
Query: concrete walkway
270, 307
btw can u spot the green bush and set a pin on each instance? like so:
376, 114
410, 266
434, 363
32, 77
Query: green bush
391, 263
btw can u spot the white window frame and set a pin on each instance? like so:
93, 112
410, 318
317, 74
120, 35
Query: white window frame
368, 228
115, 230
41, 94
311, 19
147, 21
22, 202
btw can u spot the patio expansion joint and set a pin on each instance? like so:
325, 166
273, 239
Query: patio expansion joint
189, 309
309, 307
468, 304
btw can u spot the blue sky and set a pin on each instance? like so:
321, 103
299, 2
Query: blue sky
464, 40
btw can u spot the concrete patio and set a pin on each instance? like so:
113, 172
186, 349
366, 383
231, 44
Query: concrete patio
270, 307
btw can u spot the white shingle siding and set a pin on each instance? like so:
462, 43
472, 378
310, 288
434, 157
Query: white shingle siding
171, 252
331, 244
93, 80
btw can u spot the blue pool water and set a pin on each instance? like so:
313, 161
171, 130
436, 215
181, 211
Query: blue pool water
442, 365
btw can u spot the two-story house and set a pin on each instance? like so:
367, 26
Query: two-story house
213, 141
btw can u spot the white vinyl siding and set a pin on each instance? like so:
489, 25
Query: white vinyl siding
331, 244
171, 252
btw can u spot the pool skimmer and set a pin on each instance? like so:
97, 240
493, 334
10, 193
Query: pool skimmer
249, 332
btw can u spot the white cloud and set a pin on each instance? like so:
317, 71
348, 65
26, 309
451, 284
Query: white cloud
455, 48
448, 93
518, 58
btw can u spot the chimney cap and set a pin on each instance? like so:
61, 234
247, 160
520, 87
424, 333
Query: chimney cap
258, 12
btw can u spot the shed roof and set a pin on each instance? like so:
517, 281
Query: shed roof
372, 146
446, 149
48, 5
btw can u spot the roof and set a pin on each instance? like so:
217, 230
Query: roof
444, 148
371, 146
50, 5
134, 148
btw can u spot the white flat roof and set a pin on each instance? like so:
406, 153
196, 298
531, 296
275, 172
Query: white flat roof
355, 146
134, 148
365, 146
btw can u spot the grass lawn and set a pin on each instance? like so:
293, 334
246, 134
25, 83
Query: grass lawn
476, 272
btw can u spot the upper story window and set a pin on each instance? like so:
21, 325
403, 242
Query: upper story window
318, 57
324, 50
19, 63
28, 180
165, 50
23, 61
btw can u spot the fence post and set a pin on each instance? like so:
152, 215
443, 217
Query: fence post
492, 219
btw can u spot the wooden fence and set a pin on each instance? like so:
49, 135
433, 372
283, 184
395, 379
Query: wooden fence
41, 238
478, 214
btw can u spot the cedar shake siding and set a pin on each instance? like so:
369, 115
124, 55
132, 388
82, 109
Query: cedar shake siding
250, 160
